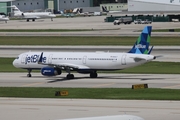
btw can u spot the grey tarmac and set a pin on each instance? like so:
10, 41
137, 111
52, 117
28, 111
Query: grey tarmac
169, 81
96, 24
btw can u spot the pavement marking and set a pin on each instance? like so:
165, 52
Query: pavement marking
103, 85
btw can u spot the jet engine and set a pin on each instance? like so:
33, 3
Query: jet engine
50, 71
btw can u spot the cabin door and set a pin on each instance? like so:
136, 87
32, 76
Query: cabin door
84, 59
123, 59
50, 58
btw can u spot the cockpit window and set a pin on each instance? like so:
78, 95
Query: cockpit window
17, 58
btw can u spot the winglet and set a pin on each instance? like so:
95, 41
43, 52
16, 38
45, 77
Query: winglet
150, 50
40, 59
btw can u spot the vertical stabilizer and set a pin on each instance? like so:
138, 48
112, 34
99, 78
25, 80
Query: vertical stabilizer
15, 10
104, 9
142, 44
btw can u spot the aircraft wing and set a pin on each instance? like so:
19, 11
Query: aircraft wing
73, 66
63, 66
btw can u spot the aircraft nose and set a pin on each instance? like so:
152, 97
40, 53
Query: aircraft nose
53, 15
15, 63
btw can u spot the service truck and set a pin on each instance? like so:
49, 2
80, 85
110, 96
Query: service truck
124, 20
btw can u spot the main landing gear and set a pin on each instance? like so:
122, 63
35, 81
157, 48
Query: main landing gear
29, 73
32, 20
93, 74
70, 76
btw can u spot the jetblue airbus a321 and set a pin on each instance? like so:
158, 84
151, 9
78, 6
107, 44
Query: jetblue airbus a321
53, 63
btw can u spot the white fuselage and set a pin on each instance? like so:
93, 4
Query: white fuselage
88, 60
35, 15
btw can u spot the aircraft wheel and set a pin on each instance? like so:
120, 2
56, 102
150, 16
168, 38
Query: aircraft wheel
93, 75
27, 20
28, 75
33, 20
70, 76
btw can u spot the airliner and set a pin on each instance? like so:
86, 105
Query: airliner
4, 18
115, 117
32, 15
52, 63
104, 9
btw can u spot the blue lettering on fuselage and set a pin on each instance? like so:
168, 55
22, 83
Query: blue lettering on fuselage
34, 59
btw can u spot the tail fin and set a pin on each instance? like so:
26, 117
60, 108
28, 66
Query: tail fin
142, 44
104, 9
15, 9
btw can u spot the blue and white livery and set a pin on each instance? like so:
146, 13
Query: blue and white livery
53, 63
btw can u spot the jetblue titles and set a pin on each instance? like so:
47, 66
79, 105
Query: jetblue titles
34, 59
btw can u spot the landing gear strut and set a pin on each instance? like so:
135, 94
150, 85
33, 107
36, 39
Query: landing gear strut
29, 73
51, 19
93, 74
69, 75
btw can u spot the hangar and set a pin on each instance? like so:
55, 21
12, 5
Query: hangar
153, 5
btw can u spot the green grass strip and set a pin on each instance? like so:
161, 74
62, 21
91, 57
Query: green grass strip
93, 93
166, 30
66, 40
148, 68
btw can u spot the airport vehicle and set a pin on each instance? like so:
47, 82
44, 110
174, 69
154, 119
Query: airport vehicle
125, 20
52, 63
32, 15
4, 18
115, 117
146, 21
67, 14
138, 21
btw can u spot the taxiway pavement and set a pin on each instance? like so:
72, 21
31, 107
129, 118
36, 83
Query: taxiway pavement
170, 81
53, 109
94, 23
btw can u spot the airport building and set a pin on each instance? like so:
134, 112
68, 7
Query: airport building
153, 5
55, 5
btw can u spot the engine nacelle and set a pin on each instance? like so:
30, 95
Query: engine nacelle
50, 71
